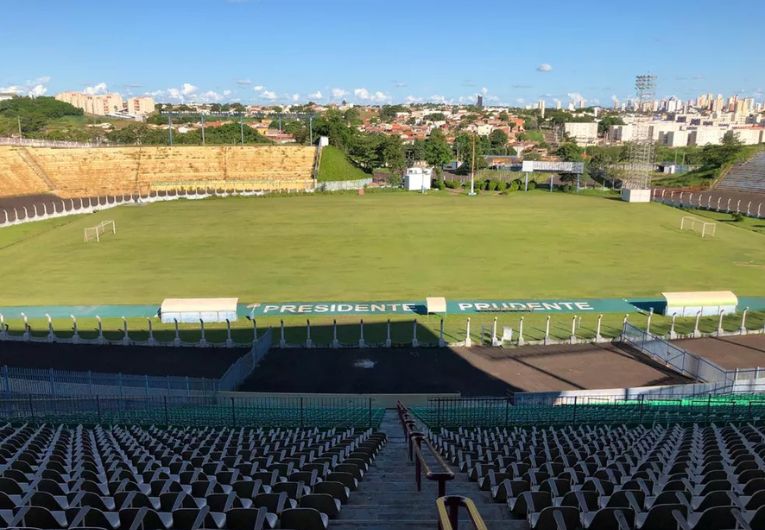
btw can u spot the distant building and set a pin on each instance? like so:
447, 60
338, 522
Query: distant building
479, 102
140, 106
108, 104
584, 133
7, 95
418, 178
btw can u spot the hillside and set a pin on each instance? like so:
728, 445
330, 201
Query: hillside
336, 166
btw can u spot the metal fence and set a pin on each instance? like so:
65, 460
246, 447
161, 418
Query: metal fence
41, 382
32, 142
683, 361
506, 412
710, 201
219, 410
243, 367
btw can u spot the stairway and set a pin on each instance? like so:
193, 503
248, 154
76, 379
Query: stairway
387, 497
39, 171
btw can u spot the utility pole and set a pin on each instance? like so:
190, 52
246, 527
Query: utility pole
241, 127
203, 129
472, 170
170, 127
310, 128
18, 118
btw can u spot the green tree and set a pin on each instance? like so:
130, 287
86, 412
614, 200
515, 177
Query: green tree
393, 155
498, 140
570, 152
437, 150
608, 121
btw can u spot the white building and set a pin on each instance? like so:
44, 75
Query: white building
584, 133
677, 138
749, 135
418, 178
621, 133
706, 136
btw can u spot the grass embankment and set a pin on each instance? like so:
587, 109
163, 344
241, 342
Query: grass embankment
706, 176
335, 165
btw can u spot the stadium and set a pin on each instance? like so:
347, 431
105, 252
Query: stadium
200, 337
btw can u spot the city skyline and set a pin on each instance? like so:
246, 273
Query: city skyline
377, 53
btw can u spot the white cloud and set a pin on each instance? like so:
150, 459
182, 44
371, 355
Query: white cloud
226, 93
243, 82
211, 97
520, 100
316, 95
576, 98
338, 93
295, 97
544, 67
484, 91
188, 89
97, 89
413, 99
12, 89
400, 84
174, 93
614, 98
38, 90
365, 95
258, 88
438, 99
268, 94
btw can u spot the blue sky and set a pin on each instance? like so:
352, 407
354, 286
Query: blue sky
367, 51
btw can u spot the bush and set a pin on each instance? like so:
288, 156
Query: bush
440, 184
514, 186
493, 185
568, 188
738, 217
395, 180
532, 185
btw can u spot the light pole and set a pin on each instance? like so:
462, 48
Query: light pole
472, 171
203, 129
241, 127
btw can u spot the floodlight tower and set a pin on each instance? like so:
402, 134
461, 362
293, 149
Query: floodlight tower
637, 182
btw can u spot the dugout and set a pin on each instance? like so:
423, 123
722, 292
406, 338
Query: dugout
688, 304
196, 309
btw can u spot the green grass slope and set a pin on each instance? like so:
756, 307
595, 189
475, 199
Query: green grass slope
336, 166
379, 246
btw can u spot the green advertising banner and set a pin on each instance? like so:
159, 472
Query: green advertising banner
413, 308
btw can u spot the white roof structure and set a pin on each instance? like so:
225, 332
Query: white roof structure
435, 304
196, 309
707, 302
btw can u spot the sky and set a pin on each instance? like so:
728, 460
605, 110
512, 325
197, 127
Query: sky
382, 51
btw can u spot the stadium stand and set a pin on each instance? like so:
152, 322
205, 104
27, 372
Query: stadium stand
746, 177
110, 477
16, 175
619, 474
71, 173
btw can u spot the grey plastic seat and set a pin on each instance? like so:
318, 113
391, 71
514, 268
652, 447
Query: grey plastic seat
304, 519
323, 502
38, 517
338, 490
274, 502
250, 519
717, 518
193, 519
529, 502
609, 519
555, 518
660, 517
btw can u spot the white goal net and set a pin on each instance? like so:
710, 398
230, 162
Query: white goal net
96, 232
704, 228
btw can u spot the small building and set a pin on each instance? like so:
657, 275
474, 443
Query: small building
689, 304
195, 309
418, 178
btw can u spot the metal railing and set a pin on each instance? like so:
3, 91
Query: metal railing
704, 200
219, 410
448, 512
415, 440
42, 382
683, 361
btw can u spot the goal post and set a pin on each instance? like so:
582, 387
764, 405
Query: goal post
703, 228
95, 232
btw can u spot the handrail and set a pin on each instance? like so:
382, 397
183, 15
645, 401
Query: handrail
415, 440
448, 512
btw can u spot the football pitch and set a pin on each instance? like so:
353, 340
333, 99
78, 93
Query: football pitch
381, 246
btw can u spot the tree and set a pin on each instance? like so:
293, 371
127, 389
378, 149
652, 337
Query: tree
606, 122
464, 145
498, 140
393, 155
570, 152
504, 116
437, 150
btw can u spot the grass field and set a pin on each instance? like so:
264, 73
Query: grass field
382, 246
